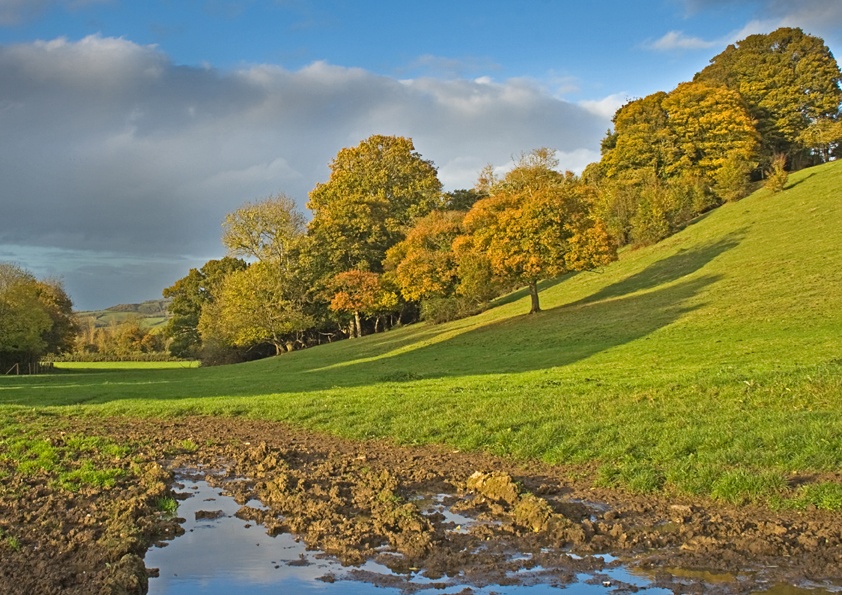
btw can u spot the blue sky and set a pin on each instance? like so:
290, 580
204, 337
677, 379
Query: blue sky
129, 129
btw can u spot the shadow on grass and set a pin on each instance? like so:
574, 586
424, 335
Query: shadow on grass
682, 263
556, 337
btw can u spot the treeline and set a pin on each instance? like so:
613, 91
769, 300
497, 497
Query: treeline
386, 246
36, 319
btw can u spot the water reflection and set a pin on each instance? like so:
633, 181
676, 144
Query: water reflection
220, 553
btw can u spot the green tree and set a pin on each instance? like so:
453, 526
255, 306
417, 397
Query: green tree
254, 306
525, 226
788, 79
189, 296
36, 317
375, 190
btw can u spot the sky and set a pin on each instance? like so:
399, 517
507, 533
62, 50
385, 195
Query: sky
128, 130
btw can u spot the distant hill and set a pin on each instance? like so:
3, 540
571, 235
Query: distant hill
152, 314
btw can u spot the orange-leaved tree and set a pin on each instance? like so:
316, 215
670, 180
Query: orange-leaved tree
361, 292
535, 225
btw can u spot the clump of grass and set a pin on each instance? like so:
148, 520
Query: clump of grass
89, 475
743, 486
824, 496
166, 504
11, 541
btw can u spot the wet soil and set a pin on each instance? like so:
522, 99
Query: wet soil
360, 501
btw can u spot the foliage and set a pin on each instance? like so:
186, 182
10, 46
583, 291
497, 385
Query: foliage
269, 230
361, 292
525, 226
189, 295
777, 175
255, 305
424, 264
789, 80
375, 190
36, 317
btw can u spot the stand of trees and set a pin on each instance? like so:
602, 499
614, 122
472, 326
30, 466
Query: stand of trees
766, 103
385, 244
36, 319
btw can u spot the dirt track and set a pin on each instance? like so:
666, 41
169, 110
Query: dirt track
361, 500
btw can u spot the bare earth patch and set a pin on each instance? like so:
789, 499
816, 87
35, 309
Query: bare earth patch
372, 500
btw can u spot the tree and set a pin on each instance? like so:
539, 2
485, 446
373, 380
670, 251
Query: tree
189, 296
424, 264
710, 129
361, 292
525, 226
269, 230
36, 317
788, 79
254, 306
375, 190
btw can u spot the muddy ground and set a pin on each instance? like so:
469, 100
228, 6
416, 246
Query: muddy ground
371, 500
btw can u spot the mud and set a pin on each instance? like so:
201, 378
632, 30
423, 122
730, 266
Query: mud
361, 501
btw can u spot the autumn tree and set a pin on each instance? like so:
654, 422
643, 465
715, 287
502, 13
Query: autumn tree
360, 293
265, 302
36, 317
269, 230
789, 80
375, 190
189, 296
527, 226
424, 264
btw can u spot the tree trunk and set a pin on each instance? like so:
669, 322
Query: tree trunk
533, 293
359, 326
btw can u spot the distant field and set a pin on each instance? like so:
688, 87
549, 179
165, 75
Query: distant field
125, 365
708, 364
151, 314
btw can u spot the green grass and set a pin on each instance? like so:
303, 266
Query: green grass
708, 364
112, 366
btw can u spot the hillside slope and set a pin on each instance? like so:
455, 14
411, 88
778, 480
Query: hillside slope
709, 363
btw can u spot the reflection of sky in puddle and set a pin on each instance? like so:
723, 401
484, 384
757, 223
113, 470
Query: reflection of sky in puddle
222, 555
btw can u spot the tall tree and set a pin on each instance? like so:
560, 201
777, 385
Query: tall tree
375, 190
527, 225
788, 80
269, 230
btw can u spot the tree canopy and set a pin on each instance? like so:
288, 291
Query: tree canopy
788, 80
375, 190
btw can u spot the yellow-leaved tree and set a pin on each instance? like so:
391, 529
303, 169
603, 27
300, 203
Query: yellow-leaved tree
535, 225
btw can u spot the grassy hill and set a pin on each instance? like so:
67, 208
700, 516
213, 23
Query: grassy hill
709, 364
151, 314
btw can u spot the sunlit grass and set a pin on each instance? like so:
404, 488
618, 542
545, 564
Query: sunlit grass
708, 364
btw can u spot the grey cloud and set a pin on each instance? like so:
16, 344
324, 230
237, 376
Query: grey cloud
109, 147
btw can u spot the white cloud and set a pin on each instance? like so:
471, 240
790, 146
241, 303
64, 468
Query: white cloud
607, 106
816, 17
677, 40
107, 147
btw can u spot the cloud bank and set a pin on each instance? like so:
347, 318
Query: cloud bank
120, 165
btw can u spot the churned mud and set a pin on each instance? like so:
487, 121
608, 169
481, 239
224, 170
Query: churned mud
420, 510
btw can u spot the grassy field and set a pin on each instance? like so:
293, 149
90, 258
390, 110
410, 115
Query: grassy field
709, 364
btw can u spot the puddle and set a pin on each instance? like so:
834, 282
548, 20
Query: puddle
220, 553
